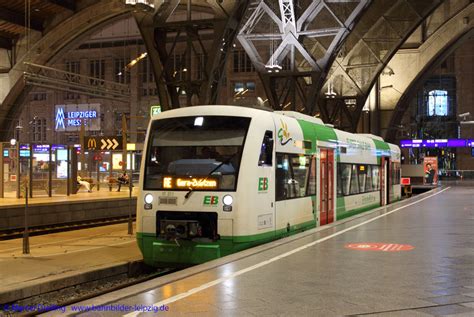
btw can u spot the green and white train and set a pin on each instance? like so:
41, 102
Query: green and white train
219, 179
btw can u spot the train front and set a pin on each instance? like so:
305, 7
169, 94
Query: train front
189, 179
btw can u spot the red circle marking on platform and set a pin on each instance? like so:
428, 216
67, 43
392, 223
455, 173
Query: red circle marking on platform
384, 247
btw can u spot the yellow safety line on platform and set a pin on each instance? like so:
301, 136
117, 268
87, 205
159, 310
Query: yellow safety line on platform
281, 256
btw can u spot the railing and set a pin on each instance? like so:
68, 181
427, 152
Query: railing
456, 175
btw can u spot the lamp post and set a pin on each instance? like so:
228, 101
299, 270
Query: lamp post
26, 234
16, 142
13, 142
1, 172
130, 181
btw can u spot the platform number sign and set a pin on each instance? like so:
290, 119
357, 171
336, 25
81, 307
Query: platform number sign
211, 200
262, 184
154, 110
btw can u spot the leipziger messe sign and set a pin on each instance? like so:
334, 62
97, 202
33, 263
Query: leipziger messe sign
70, 117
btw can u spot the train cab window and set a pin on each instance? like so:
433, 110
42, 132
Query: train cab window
266, 151
196, 147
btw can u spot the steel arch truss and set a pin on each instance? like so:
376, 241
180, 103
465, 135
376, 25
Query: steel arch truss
379, 34
188, 66
292, 42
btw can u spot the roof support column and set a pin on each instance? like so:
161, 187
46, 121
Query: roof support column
145, 25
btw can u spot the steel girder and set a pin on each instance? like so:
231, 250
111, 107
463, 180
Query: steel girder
57, 79
186, 65
381, 31
291, 44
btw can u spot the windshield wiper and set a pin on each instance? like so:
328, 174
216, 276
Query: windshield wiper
210, 173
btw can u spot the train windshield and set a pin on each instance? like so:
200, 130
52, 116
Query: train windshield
199, 153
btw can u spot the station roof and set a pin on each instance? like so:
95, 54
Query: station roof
16, 18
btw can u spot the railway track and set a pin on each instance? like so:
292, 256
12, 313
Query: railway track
84, 291
61, 227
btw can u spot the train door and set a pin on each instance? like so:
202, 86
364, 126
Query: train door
326, 200
266, 183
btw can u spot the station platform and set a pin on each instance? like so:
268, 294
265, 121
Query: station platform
80, 196
60, 210
60, 257
412, 258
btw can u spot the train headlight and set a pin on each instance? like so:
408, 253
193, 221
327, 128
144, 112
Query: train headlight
227, 200
148, 198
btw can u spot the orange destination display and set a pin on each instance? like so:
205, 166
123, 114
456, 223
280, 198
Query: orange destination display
186, 183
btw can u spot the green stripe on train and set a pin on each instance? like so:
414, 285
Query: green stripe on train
161, 251
345, 214
383, 147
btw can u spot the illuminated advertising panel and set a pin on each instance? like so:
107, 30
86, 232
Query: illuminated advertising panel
430, 165
61, 169
70, 117
116, 161
40, 148
62, 155
24, 153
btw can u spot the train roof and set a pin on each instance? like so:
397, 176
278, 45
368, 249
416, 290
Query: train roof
255, 110
300, 116
229, 109
372, 136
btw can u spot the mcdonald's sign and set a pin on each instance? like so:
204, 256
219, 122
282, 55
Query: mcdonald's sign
101, 143
91, 144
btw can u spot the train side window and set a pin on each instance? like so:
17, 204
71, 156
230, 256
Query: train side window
345, 178
354, 189
368, 181
300, 169
282, 176
362, 170
395, 173
339, 180
398, 173
293, 176
375, 178
266, 151
311, 189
